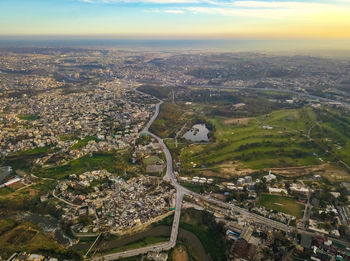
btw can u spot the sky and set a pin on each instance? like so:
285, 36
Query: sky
255, 19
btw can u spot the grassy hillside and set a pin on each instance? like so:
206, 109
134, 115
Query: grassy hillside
114, 162
160, 92
298, 137
170, 119
18, 236
24, 159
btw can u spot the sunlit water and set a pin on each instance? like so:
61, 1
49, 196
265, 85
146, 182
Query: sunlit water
198, 132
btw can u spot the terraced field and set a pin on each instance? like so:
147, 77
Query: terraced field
16, 237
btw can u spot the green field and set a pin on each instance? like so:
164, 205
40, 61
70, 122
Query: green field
17, 237
24, 159
283, 204
150, 240
27, 117
171, 118
151, 160
83, 142
155, 90
6, 225
5, 191
41, 150
18, 199
68, 137
204, 226
299, 137
112, 162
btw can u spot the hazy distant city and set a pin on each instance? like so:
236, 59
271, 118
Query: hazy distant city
111, 153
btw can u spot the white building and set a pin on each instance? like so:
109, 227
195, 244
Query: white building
269, 177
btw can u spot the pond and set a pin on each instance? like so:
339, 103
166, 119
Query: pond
198, 132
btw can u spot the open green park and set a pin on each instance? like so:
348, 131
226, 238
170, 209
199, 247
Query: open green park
283, 204
282, 138
113, 162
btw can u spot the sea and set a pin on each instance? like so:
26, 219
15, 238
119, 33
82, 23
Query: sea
339, 47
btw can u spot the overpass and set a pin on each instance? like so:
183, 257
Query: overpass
181, 191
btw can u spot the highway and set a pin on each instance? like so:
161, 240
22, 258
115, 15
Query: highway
303, 94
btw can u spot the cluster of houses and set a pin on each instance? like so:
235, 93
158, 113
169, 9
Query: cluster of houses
278, 216
24, 256
110, 113
197, 180
111, 202
323, 248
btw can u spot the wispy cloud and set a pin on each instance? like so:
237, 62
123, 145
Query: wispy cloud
267, 13
275, 4
174, 11
250, 8
142, 1
239, 3
267, 9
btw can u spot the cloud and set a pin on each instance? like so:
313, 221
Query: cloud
241, 8
142, 1
237, 12
174, 11
275, 4
270, 13
251, 4
263, 9
239, 3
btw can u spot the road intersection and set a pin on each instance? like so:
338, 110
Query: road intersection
229, 209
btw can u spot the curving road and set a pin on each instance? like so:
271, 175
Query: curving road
181, 191
169, 176
230, 209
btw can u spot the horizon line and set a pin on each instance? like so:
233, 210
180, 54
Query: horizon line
208, 37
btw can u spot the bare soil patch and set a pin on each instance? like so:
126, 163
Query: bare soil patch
238, 121
234, 169
180, 254
227, 170
295, 171
329, 171
334, 173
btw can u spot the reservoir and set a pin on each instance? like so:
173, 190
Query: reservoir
198, 132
